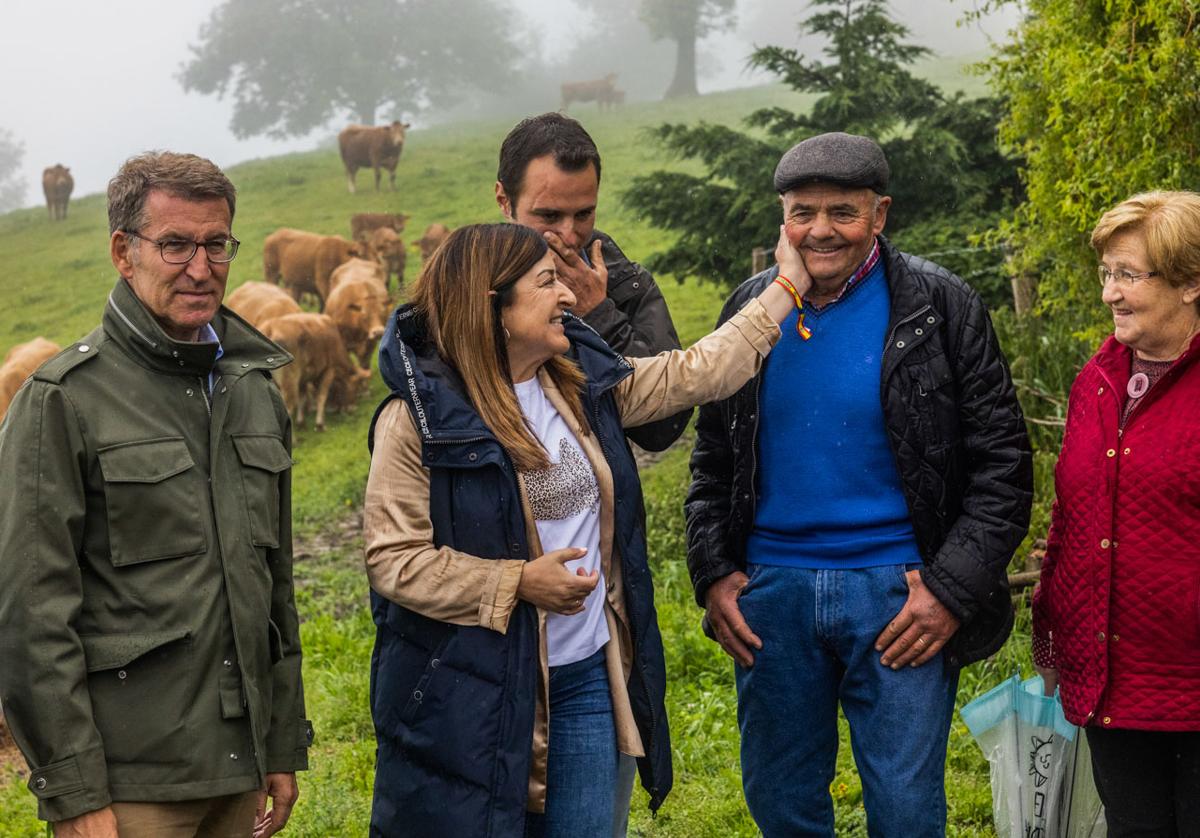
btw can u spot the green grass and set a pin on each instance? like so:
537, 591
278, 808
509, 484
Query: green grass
57, 277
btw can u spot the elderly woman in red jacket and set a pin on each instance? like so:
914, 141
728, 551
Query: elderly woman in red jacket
1116, 618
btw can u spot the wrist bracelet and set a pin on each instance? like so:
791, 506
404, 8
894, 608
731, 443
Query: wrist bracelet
785, 283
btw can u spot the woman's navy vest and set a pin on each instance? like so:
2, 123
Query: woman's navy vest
453, 706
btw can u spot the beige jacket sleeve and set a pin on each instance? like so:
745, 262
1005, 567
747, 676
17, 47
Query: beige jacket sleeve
403, 564
713, 368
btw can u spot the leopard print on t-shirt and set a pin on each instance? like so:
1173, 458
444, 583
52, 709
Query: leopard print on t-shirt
563, 490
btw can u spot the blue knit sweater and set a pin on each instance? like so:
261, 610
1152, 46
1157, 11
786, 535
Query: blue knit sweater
829, 492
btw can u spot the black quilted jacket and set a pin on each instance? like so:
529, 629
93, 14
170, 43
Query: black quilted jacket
958, 435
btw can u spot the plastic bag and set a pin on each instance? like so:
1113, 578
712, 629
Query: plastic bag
1041, 768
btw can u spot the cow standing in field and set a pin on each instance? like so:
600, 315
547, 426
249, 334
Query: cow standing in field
57, 184
387, 248
375, 146
362, 224
259, 302
19, 364
303, 261
596, 90
434, 235
320, 361
358, 306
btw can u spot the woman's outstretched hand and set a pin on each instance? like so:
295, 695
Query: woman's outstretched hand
776, 299
547, 583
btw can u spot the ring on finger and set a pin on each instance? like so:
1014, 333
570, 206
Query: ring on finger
921, 640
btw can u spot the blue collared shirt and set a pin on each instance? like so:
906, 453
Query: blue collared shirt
209, 335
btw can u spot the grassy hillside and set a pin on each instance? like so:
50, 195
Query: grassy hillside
56, 277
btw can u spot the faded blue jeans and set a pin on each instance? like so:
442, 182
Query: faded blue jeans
818, 629
581, 773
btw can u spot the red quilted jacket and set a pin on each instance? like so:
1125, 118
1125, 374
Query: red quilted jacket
1118, 608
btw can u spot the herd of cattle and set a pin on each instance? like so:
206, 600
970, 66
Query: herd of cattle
349, 281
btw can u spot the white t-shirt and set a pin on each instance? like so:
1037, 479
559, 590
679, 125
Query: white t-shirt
565, 500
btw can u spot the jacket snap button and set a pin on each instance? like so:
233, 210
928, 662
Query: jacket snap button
919, 331
1100, 392
1112, 452
472, 456
636, 286
83, 347
175, 354
189, 392
40, 783
224, 389
435, 663
270, 360
1116, 638
181, 363
418, 695
227, 663
1126, 451
1104, 543
930, 319
1100, 636
515, 546
245, 365
233, 756
122, 675
1108, 720
899, 344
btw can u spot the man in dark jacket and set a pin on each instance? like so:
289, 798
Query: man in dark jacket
549, 180
148, 629
854, 508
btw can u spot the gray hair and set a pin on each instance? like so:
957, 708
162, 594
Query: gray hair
181, 175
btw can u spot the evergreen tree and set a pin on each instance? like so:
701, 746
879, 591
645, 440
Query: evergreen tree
948, 178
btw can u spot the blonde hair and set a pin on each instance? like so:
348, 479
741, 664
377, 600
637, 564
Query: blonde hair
1169, 222
464, 320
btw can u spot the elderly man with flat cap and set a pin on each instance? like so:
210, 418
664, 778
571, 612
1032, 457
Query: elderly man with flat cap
853, 509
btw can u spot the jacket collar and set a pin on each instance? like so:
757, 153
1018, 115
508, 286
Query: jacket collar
131, 326
1114, 362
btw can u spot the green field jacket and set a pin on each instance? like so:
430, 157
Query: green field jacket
149, 641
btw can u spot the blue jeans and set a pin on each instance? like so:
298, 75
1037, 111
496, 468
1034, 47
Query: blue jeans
818, 629
581, 773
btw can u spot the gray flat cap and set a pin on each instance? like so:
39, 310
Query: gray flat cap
844, 159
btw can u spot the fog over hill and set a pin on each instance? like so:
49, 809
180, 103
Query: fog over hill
90, 84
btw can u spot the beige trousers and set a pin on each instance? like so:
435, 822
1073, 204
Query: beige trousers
231, 816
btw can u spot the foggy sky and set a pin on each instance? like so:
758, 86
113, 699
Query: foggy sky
90, 84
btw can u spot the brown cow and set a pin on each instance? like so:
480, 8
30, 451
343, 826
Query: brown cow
362, 224
359, 306
320, 361
596, 90
385, 247
304, 261
435, 234
20, 363
57, 183
258, 302
375, 146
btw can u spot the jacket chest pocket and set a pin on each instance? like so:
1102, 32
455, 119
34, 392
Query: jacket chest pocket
153, 492
932, 394
264, 458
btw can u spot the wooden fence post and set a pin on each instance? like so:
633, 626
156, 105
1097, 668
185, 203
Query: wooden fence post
758, 260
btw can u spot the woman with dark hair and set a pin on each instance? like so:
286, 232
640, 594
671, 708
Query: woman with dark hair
1116, 618
517, 649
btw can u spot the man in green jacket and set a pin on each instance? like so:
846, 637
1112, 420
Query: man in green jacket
148, 628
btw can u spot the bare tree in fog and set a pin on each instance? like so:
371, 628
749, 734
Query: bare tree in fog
292, 67
685, 22
12, 185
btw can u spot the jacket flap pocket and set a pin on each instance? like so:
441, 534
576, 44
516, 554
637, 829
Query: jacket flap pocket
628, 288
56, 779
109, 651
151, 461
263, 451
